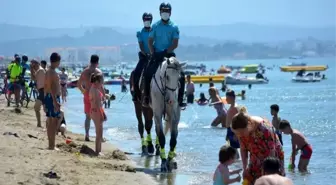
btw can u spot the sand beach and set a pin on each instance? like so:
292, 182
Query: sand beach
25, 159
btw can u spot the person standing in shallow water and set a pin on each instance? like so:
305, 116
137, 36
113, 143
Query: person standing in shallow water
257, 138
233, 110
190, 90
64, 80
84, 85
216, 101
276, 120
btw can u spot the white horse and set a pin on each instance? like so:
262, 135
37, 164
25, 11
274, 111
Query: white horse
164, 101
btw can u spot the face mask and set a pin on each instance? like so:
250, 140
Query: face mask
147, 24
165, 16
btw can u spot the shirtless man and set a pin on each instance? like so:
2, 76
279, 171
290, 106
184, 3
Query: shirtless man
84, 86
271, 170
38, 75
216, 101
233, 110
52, 92
299, 142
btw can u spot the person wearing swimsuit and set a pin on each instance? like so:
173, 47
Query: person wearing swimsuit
97, 113
258, 138
64, 80
52, 91
84, 85
299, 142
216, 101
222, 174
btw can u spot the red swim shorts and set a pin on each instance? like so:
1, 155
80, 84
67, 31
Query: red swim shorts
87, 104
306, 152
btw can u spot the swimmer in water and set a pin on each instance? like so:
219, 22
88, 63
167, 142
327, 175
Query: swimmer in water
216, 101
242, 94
299, 142
271, 171
222, 174
202, 99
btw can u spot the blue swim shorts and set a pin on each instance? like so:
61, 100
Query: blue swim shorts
49, 105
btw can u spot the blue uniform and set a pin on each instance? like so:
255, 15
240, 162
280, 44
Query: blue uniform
143, 38
163, 35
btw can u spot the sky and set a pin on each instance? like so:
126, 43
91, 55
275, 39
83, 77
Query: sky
127, 13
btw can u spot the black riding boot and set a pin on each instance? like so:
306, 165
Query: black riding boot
181, 90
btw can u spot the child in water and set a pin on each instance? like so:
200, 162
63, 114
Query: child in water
222, 174
276, 120
202, 99
299, 142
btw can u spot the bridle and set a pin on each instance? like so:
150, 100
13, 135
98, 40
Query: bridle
163, 80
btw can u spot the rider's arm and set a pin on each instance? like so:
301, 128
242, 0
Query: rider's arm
141, 45
151, 40
176, 37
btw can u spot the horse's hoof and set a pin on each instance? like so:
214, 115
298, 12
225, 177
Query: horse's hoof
157, 148
144, 150
150, 148
164, 166
172, 165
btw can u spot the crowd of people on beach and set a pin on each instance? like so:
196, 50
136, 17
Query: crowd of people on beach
259, 141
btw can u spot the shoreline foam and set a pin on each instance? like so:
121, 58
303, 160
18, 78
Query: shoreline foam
25, 159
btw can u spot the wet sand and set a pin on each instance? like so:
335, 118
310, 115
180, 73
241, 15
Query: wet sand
25, 159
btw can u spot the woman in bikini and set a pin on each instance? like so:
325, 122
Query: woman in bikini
97, 113
63, 81
257, 137
216, 101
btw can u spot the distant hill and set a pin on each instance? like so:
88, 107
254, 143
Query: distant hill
205, 34
259, 33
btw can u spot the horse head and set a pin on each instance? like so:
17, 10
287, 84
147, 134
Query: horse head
171, 78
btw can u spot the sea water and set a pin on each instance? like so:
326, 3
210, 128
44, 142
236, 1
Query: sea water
310, 108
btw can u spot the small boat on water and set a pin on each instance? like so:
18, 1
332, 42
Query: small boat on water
207, 78
223, 70
306, 79
296, 64
235, 80
305, 68
301, 76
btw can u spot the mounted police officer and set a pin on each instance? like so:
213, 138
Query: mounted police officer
144, 53
163, 40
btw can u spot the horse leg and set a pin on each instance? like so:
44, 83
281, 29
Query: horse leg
173, 142
148, 114
138, 112
162, 139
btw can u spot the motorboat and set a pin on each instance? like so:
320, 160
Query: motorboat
223, 70
236, 80
115, 81
310, 77
306, 68
306, 79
